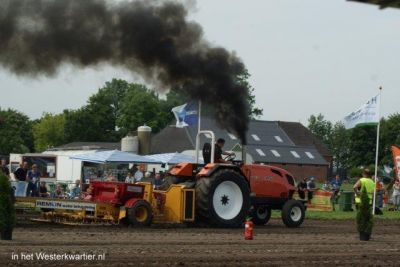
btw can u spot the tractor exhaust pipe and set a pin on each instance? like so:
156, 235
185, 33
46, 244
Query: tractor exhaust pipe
244, 154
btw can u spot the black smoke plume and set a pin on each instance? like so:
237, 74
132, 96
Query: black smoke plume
151, 38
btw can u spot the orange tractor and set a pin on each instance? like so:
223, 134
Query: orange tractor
221, 195
226, 194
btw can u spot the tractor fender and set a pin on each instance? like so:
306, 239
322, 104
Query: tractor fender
130, 202
211, 168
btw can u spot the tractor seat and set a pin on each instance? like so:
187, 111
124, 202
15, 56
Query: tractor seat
207, 153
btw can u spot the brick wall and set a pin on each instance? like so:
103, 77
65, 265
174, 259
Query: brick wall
320, 172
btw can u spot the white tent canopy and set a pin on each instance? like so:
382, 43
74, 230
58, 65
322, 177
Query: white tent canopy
113, 156
173, 158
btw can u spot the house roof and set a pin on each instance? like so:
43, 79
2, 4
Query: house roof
289, 155
267, 141
301, 136
88, 146
171, 139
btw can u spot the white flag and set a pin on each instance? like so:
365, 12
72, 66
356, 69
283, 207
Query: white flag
367, 114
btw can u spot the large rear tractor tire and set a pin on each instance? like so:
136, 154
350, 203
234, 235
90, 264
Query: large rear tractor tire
293, 213
260, 215
223, 199
140, 214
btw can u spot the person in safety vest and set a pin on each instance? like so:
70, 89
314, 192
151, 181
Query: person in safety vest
367, 182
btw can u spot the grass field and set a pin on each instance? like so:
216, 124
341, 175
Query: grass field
342, 215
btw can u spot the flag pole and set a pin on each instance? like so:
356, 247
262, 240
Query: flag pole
199, 120
198, 131
377, 150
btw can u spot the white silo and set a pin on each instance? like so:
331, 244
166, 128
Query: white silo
130, 144
144, 136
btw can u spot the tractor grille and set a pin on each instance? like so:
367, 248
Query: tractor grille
188, 196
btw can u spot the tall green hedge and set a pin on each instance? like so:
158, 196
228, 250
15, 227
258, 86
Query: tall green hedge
7, 212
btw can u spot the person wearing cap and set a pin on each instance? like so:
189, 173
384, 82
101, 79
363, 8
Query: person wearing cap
367, 183
310, 189
33, 177
218, 151
137, 173
335, 185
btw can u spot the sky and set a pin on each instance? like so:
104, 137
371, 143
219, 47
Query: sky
305, 57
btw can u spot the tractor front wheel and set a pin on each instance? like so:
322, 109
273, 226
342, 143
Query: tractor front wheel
261, 215
140, 214
293, 213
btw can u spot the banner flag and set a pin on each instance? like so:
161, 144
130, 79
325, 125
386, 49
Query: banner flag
396, 160
186, 114
366, 115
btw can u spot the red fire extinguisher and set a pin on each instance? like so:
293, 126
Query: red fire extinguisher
248, 230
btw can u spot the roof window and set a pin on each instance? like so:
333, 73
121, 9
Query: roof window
295, 154
255, 137
276, 153
310, 155
260, 152
231, 136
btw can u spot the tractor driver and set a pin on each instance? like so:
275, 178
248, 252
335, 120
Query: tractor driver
218, 151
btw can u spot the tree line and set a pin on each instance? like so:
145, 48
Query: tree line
119, 107
355, 148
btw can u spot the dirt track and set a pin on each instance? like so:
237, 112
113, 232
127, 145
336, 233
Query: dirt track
317, 242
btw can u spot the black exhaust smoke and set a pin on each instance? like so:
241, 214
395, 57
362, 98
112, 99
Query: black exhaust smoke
151, 38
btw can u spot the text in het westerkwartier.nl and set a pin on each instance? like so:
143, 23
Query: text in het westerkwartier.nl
49, 256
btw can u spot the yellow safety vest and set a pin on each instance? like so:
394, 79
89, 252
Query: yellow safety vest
369, 186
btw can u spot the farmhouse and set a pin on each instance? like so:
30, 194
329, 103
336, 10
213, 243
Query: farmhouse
288, 145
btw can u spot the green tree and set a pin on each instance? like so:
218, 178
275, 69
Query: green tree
321, 128
97, 120
390, 135
120, 107
15, 132
7, 211
141, 106
363, 146
49, 131
105, 105
243, 79
83, 125
339, 141
335, 137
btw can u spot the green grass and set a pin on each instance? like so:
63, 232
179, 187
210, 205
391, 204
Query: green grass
341, 215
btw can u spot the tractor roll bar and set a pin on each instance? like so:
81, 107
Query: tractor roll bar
198, 144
